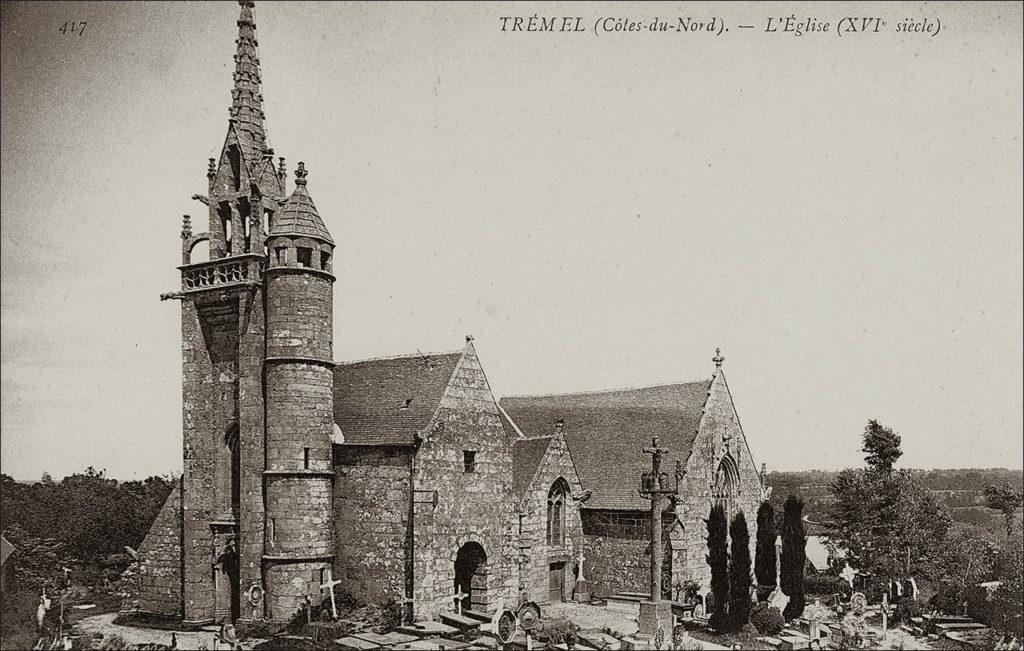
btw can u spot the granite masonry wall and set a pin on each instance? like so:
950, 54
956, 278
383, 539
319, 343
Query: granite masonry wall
371, 520
617, 545
299, 420
536, 555
159, 588
473, 506
719, 423
209, 326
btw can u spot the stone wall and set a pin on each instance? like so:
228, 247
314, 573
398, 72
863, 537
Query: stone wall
159, 587
371, 520
471, 506
299, 389
537, 555
617, 545
209, 326
720, 421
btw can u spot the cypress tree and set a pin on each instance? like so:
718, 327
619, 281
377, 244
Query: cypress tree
793, 558
739, 572
764, 559
718, 560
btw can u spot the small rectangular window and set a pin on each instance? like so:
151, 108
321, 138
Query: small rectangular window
304, 256
305, 458
325, 260
469, 460
282, 254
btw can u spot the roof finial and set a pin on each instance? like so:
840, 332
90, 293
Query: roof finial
300, 174
469, 338
211, 168
186, 227
559, 424
282, 171
718, 359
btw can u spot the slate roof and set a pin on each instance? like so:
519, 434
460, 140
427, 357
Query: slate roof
607, 431
370, 396
299, 216
526, 457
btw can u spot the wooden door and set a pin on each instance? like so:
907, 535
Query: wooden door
556, 581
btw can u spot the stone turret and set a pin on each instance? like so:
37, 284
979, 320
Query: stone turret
299, 400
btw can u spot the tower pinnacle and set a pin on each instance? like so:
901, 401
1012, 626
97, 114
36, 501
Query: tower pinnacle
246, 97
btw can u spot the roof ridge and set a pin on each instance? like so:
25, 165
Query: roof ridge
534, 438
601, 391
402, 356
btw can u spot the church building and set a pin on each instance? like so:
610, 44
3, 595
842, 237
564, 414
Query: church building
403, 479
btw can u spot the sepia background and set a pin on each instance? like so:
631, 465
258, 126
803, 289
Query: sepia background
841, 216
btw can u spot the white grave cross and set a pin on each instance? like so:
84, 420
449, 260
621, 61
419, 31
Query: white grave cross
458, 597
329, 585
580, 565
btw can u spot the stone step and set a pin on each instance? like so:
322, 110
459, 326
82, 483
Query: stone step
599, 640
459, 621
351, 643
387, 639
427, 628
478, 614
959, 626
630, 596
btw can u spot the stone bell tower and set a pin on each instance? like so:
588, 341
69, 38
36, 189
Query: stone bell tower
256, 376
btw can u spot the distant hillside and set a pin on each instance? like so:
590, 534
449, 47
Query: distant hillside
959, 490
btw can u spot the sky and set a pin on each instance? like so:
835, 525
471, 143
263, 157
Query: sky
841, 215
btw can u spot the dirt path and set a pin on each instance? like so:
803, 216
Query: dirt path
105, 626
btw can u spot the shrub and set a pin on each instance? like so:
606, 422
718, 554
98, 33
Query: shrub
766, 619
739, 572
718, 560
825, 584
764, 555
793, 557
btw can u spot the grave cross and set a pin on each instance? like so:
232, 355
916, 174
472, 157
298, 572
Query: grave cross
458, 597
579, 561
329, 585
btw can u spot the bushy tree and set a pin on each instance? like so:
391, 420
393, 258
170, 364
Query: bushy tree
739, 572
889, 522
718, 560
881, 447
765, 569
88, 513
1004, 499
793, 556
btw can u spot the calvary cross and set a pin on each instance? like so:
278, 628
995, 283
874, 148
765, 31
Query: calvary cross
458, 597
329, 585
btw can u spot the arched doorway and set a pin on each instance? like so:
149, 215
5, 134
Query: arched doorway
471, 576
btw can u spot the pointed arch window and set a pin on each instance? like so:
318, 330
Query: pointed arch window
726, 486
557, 498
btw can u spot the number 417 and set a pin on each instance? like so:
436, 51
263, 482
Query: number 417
73, 28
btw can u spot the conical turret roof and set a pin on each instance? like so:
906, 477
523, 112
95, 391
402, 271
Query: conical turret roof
299, 215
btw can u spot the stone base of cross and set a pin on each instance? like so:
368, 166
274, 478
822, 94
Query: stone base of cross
329, 585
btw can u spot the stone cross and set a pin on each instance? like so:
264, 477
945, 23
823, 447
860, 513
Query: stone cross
458, 597
579, 562
329, 585
885, 614
652, 485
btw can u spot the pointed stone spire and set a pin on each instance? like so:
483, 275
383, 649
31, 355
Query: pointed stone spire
246, 95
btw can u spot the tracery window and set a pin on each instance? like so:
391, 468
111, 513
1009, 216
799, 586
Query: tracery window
557, 497
726, 485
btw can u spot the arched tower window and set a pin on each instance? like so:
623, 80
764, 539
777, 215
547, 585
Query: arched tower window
557, 497
726, 486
